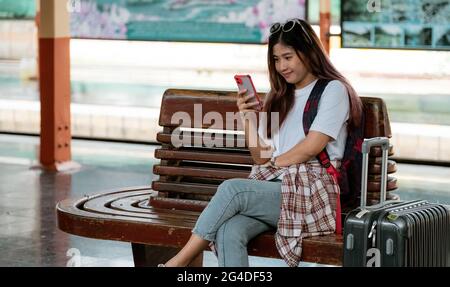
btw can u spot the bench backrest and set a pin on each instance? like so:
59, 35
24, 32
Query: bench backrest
197, 161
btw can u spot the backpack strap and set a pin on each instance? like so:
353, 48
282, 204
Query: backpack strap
312, 104
309, 114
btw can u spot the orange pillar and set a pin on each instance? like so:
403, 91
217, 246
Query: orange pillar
325, 23
37, 19
54, 84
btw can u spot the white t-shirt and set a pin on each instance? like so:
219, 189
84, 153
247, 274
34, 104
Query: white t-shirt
331, 119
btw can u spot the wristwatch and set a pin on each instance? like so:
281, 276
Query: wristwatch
272, 161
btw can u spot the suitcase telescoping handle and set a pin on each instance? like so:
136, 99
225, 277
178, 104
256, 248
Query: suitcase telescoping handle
367, 144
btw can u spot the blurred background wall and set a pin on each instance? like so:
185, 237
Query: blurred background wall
117, 85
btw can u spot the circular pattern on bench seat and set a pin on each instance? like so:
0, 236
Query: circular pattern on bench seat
125, 215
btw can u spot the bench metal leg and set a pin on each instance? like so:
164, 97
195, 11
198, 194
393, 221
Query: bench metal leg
151, 255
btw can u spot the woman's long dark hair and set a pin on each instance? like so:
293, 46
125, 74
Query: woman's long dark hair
310, 50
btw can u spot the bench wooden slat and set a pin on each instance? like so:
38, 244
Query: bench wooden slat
375, 186
375, 168
136, 204
244, 158
185, 187
218, 173
180, 204
375, 196
377, 177
372, 185
204, 189
237, 143
377, 151
208, 156
378, 160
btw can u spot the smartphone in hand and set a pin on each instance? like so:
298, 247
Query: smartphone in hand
245, 82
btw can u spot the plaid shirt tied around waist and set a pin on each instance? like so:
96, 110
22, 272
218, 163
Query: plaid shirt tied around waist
308, 205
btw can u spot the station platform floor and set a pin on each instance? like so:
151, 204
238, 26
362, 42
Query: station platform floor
28, 232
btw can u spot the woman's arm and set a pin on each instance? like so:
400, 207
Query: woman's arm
305, 150
261, 152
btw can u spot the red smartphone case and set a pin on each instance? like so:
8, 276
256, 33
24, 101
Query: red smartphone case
245, 82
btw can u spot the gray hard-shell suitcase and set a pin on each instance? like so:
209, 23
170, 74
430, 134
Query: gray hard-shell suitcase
395, 233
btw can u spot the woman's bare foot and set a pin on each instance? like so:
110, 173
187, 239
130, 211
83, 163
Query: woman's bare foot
189, 252
176, 262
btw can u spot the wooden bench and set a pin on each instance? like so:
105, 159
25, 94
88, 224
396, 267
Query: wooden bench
157, 221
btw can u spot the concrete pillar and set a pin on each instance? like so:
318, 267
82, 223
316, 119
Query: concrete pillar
54, 85
325, 23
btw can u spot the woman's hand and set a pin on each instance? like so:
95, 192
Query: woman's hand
242, 104
249, 120
271, 162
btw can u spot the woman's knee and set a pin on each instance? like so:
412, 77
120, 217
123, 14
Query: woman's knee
230, 186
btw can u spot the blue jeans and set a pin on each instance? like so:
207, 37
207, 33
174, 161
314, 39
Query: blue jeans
240, 210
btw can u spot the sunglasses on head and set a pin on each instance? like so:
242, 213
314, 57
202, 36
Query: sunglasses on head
287, 27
